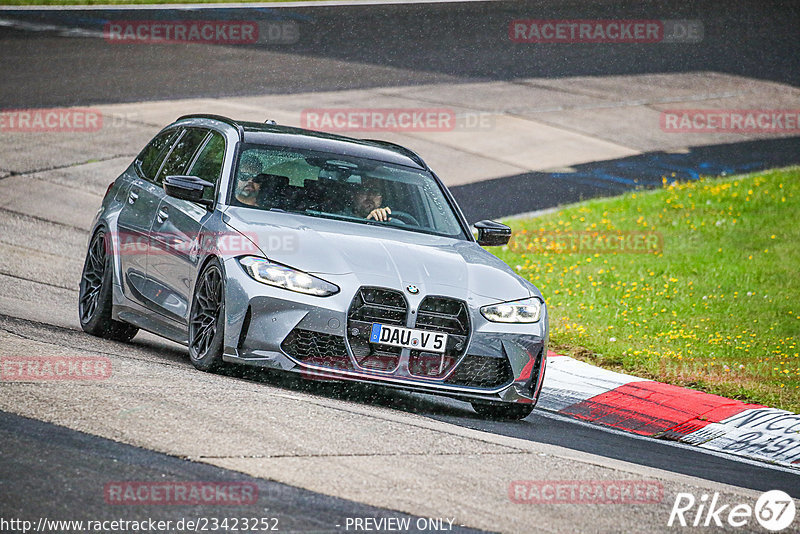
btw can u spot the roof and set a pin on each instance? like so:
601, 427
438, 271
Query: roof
287, 136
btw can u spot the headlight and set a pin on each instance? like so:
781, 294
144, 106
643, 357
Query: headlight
519, 311
274, 274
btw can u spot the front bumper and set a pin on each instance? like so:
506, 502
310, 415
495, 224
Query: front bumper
278, 329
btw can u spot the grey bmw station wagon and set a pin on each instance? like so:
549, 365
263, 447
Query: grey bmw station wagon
334, 257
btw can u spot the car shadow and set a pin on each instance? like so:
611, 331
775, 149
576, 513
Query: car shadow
345, 390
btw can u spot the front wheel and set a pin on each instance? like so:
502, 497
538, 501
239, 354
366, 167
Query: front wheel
207, 319
501, 411
94, 296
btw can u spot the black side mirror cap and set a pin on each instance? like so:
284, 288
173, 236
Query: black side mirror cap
189, 188
492, 234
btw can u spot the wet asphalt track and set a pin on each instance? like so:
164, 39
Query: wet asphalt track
65, 473
375, 46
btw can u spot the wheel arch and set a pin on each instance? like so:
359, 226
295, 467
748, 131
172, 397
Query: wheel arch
203, 362
202, 267
116, 271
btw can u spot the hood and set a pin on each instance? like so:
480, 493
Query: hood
378, 255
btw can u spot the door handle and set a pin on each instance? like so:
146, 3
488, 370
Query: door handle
133, 196
162, 215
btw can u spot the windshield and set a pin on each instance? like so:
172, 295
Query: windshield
342, 187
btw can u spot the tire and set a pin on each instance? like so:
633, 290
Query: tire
207, 319
94, 297
503, 411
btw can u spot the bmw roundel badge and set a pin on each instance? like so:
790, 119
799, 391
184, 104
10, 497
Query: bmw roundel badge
412, 289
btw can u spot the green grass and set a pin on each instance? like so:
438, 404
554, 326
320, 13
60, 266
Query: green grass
716, 309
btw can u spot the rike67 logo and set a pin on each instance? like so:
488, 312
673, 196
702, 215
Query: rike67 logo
774, 510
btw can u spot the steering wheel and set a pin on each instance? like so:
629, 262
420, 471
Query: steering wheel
404, 217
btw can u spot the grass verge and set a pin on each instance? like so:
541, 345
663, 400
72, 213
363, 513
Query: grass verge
696, 284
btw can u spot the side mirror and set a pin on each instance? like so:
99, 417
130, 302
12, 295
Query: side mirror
492, 234
189, 188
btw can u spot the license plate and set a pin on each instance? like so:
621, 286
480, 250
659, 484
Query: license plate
408, 338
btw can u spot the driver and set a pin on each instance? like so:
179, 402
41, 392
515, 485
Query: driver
367, 202
248, 186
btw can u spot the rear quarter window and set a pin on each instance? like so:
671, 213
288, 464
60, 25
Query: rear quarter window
208, 163
182, 153
149, 160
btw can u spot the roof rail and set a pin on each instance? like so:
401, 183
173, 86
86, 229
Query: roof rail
400, 148
220, 118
